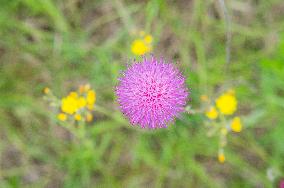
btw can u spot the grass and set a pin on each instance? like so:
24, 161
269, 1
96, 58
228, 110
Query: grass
62, 44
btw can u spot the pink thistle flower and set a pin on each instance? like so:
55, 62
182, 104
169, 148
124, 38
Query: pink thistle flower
281, 184
152, 93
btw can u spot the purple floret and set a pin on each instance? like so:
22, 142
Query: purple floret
152, 93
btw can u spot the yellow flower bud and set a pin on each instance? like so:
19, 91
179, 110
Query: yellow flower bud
46, 90
212, 113
221, 157
142, 33
81, 89
204, 98
236, 124
73, 94
91, 97
89, 117
77, 117
62, 117
87, 87
148, 39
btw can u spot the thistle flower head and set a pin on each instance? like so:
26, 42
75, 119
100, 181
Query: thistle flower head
281, 184
152, 93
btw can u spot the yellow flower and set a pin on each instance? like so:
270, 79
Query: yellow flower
73, 94
91, 97
221, 157
139, 47
46, 90
212, 113
89, 117
81, 102
62, 117
148, 39
142, 44
77, 117
69, 105
227, 103
236, 124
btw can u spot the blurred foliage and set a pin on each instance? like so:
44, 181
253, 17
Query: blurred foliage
62, 44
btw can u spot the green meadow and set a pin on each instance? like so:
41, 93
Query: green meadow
217, 45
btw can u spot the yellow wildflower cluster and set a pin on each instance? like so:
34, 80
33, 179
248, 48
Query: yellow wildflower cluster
142, 44
220, 115
77, 105
226, 104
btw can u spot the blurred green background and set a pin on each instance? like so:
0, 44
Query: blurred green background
64, 43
